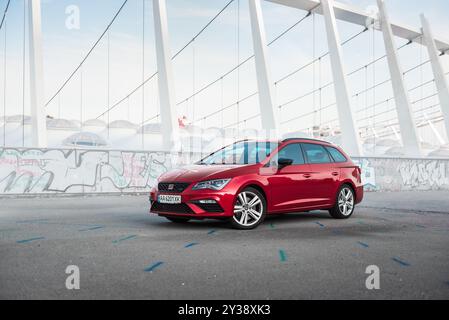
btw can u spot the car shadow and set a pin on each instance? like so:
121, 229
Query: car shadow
289, 227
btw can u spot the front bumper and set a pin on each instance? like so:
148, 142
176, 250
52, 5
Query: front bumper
191, 207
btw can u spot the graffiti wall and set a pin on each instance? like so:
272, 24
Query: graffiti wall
35, 171
47, 171
385, 174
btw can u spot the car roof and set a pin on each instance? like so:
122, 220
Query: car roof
305, 140
290, 140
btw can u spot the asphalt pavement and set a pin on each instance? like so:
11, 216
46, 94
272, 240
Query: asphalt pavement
122, 252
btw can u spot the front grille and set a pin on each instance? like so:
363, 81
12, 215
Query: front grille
210, 207
173, 208
177, 187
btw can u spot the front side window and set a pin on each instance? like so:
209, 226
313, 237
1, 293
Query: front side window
293, 152
336, 155
241, 153
316, 153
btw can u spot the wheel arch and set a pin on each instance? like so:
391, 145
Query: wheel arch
350, 184
256, 185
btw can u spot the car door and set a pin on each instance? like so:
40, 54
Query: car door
289, 185
324, 172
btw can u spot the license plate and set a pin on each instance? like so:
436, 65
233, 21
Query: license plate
169, 199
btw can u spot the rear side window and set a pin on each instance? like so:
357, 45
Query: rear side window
336, 155
293, 152
316, 153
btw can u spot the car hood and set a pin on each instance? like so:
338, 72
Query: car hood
196, 173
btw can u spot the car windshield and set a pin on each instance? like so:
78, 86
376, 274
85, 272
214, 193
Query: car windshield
241, 153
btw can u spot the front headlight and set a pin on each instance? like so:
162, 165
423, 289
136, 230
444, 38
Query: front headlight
211, 184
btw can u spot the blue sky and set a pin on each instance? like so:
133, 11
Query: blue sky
213, 53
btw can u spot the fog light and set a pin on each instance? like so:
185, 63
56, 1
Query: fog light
207, 201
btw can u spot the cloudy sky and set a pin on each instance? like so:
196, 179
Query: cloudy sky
109, 75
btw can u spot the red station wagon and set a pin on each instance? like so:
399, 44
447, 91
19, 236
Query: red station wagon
248, 180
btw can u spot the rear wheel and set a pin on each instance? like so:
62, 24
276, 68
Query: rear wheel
345, 203
178, 219
249, 209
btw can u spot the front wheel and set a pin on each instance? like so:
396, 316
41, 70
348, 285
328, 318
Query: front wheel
345, 203
249, 209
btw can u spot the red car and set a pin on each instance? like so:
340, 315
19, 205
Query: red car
248, 180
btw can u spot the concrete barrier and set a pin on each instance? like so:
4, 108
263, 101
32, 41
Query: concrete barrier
58, 171
400, 174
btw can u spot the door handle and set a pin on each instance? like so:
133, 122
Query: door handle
307, 175
335, 174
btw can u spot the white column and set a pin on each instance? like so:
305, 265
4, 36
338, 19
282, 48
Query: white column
409, 135
265, 85
351, 139
438, 71
169, 118
38, 114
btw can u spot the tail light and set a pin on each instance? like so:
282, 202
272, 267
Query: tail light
359, 174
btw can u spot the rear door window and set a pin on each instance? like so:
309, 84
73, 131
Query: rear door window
316, 154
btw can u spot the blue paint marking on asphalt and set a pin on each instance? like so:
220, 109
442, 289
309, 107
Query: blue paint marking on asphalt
30, 240
211, 232
282, 256
363, 244
190, 245
153, 266
420, 226
401, 262
90, 229
125, 238
272, 225
320, 224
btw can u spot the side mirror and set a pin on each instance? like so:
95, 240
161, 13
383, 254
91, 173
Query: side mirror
283, 162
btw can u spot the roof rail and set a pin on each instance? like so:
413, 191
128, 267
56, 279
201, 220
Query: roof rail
305, 139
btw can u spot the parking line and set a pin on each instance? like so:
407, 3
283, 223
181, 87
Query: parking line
190, 245
401, 262
124, 238
282, 256
30, 240
153, 266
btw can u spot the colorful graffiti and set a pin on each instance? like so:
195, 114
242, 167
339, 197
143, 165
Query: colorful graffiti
31, 171
368, 174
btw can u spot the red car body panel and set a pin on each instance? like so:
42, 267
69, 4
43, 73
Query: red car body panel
294, 188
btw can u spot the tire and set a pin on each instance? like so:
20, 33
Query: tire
178, 219
250, 209
344, 203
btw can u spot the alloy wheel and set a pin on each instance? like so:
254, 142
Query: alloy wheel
248, 209
346, 201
